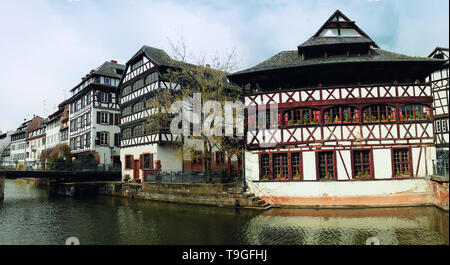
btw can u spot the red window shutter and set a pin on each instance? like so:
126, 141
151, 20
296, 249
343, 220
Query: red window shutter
151, 161
141, 159
132, 162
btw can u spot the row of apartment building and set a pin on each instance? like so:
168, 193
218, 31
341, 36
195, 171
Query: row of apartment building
347, 110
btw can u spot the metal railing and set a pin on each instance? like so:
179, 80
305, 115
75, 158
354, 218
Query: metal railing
58, 166
440, 168
192, 177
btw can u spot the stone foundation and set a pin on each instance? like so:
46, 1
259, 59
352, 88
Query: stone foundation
440, 193
200, 194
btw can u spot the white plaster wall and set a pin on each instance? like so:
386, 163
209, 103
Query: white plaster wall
382, 162
338, 188
136, 151
170, 158
346, 157
251, 166
309, 166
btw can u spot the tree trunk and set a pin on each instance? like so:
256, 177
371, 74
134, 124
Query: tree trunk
207, 164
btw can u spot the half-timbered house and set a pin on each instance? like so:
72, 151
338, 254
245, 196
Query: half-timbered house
94, 114
439, 84
19, 145
144, 151
353, 123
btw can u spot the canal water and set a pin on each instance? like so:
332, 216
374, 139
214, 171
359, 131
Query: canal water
29, 215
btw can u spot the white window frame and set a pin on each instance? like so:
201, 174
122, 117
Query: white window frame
103, 138
104, 120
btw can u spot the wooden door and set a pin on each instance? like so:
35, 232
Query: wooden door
136, 169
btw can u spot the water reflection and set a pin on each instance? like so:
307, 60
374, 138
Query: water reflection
29, 215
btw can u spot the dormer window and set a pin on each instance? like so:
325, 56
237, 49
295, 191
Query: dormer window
107, 80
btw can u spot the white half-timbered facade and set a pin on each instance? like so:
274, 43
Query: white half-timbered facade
140, 149
94, 114
439, 83
351, 124
145, 152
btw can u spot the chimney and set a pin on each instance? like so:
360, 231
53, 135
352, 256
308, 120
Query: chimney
114, 61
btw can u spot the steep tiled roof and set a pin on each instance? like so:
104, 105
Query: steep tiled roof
287, 59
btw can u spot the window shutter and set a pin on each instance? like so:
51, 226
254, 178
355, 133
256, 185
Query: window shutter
97, 140
116, 139
98, 117
107, 139
132, 162
111, 119
116, 119
151, 161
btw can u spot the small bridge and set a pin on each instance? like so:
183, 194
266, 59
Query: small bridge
60, 176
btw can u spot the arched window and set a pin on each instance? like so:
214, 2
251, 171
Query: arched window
341, 114
137, 131
126, 90
138, 84
301, 116
126, 111
138, 107
379, 113
151, 78
415, 112
126, 133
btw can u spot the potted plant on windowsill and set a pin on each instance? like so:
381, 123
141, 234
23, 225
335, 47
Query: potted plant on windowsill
297, 176
337, 120
329, 119
281, 177
265, 177
405, 174
314, 120
383, 118
347, 118
391, 117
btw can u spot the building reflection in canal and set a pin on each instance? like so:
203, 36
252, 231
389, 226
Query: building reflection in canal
29, 215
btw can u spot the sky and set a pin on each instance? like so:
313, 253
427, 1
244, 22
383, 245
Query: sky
46, 46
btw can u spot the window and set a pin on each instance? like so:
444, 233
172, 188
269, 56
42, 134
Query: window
438, 126
138, 84
126, 90
104, 97
301, 116
128, 161
362, 164
414, 112
280, 166
151, 78
103, 138
137, 65
126, 111
126, 133
326, 165
148, 161
401, 162
138, 107
88, 140
340, 114
137, 131
265, 166
88, 118
296, 166
379, 113
220, 158
196, 157
107, 80
104, 118
444, 125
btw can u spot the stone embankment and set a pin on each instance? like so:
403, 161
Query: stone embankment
223, 195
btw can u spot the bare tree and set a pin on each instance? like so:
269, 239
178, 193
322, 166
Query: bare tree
202, 82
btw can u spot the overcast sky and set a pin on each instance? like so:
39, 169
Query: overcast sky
47, 46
